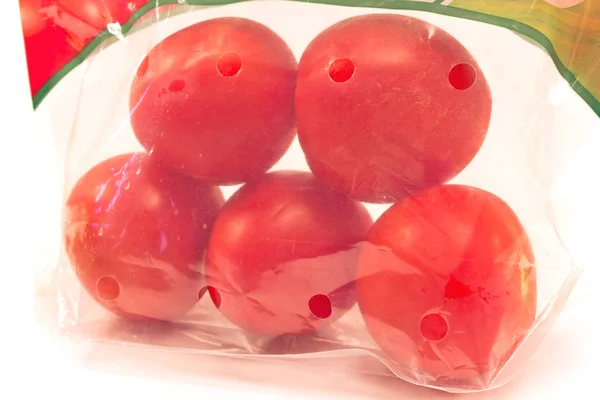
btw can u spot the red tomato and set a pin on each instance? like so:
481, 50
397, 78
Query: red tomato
33, 18
282, 256
216, 100
389, 104
136, 234
447, 285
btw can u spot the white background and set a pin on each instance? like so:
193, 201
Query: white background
33, 363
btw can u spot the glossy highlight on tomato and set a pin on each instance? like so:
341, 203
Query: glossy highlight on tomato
136, 234
447, 284
388, 105
215, 100
283, 253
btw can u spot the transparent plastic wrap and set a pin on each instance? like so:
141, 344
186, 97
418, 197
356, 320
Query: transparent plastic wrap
281, 179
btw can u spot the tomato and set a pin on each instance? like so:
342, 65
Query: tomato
282, 255
33, 18
136, 235
389, 104
447, 285
216, 100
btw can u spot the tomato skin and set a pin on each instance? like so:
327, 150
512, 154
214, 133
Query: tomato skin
278, 243
139, 230
454, 252
223, 129
377, 114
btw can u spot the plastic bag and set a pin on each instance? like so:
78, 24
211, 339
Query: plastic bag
285, 179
